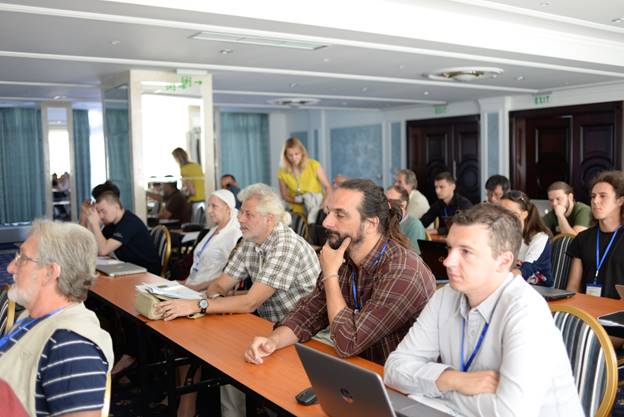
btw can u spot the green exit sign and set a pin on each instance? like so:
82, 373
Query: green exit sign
541, 99
441, 109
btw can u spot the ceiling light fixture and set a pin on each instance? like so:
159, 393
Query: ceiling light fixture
618, 20
364, 89
281, 42
294, 102
115, 42
226, 51
465, 74
292, 85
426, 93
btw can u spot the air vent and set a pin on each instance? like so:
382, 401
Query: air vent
294, 102
258, 40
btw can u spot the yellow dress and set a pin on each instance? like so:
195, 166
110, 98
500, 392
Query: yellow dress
192, 171
307, 182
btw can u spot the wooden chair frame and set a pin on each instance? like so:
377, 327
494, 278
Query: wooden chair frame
10, 313
164, 262
611, 375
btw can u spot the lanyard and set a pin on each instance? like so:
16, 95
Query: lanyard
599, 260
199, 254
445, 211
466, 365
24, 324
354, 289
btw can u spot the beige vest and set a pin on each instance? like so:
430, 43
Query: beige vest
18, 366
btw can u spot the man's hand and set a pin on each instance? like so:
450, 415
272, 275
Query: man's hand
559, 210
171, 309
331, 259
468, 383
93, 217
260, 348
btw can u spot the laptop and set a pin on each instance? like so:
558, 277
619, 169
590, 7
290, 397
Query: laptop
345, 390
120, 268
433, 254
551, 294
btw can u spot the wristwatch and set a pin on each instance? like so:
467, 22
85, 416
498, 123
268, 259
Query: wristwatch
203, 305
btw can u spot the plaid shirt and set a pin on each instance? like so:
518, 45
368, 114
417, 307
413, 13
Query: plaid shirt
284, 262
393, 286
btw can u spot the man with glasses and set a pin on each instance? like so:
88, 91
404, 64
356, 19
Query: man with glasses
487, 342
56, 356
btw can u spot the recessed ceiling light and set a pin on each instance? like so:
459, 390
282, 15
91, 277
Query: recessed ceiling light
115, 42
226, 51
401, 66
292, 85
520, 78
282, 42
364, 89
325, 59
618, 20
545, 3
426, 93
344, 103
465, 74
59, 97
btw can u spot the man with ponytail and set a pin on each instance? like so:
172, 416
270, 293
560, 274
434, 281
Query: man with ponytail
282, 265
372, 287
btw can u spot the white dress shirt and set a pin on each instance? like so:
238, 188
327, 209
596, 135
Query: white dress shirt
522, 344
212, 253
532, 251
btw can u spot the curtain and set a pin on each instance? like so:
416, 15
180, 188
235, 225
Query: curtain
82, 155
22, 190
119, 168
245, 147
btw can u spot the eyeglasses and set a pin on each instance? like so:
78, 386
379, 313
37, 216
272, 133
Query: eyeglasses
20, 259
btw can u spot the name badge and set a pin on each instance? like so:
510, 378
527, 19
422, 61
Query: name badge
594, 289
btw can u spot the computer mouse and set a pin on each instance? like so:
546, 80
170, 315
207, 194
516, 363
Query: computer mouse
306, 397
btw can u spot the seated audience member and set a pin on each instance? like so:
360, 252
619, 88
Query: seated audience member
534, 258
418, 204
338, 180
371, 289
228, 182
124, 235
212, 252
411, 227
596, 268
56, 356
567, 215
487, 342
86, 205
495, 187
282, 265
176, 206
449, 202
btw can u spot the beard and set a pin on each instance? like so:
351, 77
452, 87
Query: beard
21, 297
335, 239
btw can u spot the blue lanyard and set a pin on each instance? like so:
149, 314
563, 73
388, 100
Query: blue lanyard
354, 289
23, 324
599, 260
198, 256
445, 212
465, 366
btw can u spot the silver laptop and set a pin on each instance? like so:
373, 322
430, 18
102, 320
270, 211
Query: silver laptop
119, 269
550, 293
346, 390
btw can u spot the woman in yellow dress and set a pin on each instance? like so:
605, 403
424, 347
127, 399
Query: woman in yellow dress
192, 176
299, 174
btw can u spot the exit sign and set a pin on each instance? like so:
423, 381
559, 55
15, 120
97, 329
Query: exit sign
440, 109
541, 99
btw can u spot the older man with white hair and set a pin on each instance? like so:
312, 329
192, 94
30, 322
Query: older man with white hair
56, 356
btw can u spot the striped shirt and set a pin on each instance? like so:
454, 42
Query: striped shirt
71, 374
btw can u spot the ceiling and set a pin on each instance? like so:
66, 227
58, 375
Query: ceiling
376, 55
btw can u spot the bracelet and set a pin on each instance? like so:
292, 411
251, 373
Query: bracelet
325, 277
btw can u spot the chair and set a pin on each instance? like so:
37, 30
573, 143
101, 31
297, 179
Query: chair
300, 225
198, 218
561, 262
162, 241
107, 396
593, 360
7, 310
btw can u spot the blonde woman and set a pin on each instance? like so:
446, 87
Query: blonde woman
299, 174
192, 176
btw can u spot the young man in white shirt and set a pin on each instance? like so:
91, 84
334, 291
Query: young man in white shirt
487, 342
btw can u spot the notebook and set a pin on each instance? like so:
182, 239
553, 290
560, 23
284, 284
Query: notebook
433, 254
345, 390
120, 268
551, 294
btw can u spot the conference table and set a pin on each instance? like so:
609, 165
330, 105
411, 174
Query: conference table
221, 340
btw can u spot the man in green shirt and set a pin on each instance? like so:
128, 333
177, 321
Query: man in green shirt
567, 216
411, 227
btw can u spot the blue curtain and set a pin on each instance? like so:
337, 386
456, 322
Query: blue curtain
119, 168
22, 190
245, 147
356, 152
82, 155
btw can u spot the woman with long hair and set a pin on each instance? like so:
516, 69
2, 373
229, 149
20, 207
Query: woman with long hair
534, 257
192, 176
300, 174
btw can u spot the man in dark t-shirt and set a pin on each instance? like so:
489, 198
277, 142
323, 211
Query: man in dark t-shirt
449, 202
124, 234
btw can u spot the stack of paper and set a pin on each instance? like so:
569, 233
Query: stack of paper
170, 290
